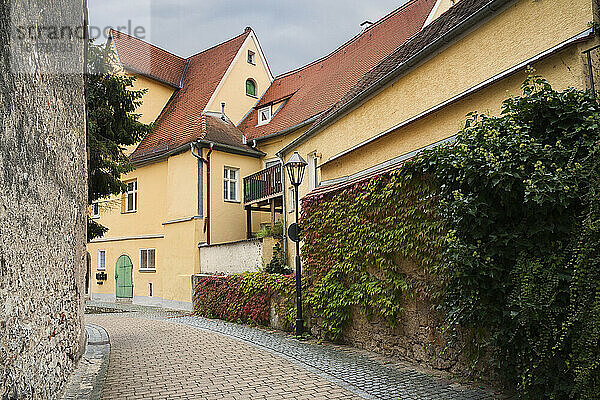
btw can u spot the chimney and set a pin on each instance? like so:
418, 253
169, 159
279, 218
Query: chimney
223, 117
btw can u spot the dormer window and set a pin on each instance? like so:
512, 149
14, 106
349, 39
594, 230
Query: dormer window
251, 57
251, 87
264, 115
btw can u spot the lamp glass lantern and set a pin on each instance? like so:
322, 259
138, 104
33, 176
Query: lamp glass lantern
295, 167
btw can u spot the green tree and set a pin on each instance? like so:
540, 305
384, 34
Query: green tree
112, 124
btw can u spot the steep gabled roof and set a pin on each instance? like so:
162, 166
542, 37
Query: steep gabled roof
180, 121
146, 59
314, 88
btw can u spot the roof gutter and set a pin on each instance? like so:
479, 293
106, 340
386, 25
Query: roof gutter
486, 11
203, 144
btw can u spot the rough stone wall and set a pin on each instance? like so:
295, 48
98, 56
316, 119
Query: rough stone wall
42, 202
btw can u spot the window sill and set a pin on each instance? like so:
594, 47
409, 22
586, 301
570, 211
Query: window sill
147, 270
94, 217
129, 212
101, 269
251, 95
232, 201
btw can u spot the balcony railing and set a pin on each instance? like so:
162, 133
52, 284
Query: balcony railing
263, 185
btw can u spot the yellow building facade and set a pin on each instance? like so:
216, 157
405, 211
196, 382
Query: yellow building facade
159, 225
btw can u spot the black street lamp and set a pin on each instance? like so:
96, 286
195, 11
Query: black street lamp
295, 168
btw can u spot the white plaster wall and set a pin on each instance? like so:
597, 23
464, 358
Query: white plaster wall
231, 258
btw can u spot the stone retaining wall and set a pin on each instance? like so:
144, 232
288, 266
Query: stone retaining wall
42, 199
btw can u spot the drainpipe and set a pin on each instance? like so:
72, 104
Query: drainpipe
206, 161
283, 209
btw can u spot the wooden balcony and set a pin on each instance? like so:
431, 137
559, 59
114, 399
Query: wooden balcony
263, 185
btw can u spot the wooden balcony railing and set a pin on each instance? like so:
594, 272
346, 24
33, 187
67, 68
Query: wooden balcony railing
263, 185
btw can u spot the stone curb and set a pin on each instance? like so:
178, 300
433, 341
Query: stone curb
87, 380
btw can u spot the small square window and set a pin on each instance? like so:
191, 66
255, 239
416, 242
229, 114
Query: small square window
101, 260
264, 115
148, 259
251, 57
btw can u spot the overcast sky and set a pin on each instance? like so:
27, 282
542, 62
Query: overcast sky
291, 33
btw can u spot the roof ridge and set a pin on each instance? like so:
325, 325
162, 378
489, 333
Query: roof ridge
246, 32
148, 43
349, 41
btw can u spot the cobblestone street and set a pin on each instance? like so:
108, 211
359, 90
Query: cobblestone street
156, 354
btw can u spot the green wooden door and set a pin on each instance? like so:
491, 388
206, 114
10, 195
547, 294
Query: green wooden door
123, 277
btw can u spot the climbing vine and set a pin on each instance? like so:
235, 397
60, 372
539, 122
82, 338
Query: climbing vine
245, 297
359, 244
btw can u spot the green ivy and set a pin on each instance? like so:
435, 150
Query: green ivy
356, 251
502, 228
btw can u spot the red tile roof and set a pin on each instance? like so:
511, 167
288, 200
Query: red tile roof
441, 26
315, 87
179, 122
146, 59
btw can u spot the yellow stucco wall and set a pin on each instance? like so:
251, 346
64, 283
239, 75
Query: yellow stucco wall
168, 206
155, 98
449, 120
233, 88
229, 218
519, 33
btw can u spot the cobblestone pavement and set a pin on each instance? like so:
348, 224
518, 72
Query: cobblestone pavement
201, 358
153, 359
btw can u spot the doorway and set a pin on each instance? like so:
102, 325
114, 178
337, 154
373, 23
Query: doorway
124, 278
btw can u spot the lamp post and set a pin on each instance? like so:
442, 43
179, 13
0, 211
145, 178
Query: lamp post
295, 168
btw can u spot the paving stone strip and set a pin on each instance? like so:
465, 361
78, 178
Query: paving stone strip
88, 378
352, 370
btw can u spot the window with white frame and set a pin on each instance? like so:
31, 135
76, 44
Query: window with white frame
251, 57
231, 177
148, 259
264, 115
292, 200
313, 173
95, 212
101, 260
131, 196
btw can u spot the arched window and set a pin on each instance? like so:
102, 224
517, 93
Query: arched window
250, 87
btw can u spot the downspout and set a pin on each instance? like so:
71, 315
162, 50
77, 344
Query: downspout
206, 161
283, 209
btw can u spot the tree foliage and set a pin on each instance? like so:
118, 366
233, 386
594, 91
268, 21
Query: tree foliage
112, 125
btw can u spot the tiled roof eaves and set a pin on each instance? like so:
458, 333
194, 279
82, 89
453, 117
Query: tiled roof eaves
489, 9
474, 89
156, 78
159, 156
289, 129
